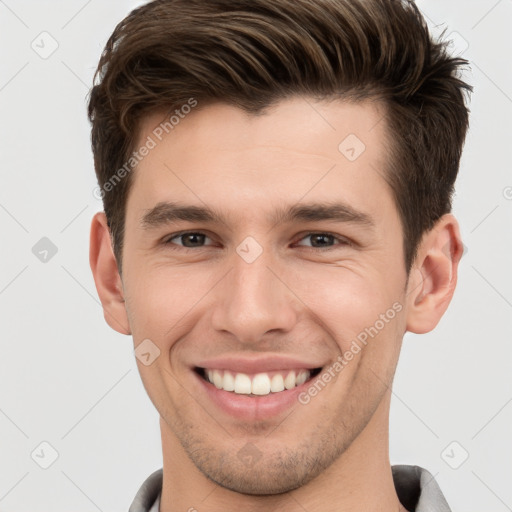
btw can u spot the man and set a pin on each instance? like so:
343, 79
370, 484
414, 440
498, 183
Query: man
277, 179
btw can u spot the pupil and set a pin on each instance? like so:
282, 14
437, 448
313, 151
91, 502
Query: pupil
193, 235
321, 236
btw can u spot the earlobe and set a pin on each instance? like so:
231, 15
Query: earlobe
106, 275
434, 275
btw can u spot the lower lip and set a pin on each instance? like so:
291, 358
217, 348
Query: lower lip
252, 408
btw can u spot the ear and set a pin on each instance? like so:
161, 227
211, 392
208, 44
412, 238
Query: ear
106, 275
433, 276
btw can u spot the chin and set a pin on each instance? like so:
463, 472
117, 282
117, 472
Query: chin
268, 474
258, 483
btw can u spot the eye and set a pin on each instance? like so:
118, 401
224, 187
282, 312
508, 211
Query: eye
323, 240
189, 239
196, 239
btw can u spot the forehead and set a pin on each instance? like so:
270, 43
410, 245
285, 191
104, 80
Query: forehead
223, 155
296, 123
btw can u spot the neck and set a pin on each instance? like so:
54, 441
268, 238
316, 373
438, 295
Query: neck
360, 479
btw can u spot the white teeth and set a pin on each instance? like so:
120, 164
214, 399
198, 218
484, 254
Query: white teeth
229, 382
277, 383
217, 379
261, 384
289, 382
302, 377
242, 384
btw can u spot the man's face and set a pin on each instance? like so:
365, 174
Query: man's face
253, 293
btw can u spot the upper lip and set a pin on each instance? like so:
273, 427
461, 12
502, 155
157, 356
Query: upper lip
261, 364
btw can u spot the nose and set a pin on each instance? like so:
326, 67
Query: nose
254, 299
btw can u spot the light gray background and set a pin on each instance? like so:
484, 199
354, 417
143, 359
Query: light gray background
67, 379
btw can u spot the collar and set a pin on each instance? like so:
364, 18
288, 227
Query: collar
416, 488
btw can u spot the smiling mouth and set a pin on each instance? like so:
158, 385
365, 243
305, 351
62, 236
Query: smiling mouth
259, 384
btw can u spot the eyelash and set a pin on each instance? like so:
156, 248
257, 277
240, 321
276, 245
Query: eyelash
342, 241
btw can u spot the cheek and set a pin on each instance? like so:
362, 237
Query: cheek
160, 299
356, 305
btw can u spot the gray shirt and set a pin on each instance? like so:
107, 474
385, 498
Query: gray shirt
416, 489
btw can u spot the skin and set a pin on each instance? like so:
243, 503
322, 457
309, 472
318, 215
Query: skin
206, 301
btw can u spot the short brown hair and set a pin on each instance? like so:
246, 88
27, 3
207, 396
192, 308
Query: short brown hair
254, 53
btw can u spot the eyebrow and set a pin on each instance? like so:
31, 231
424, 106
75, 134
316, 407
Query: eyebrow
169, 212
